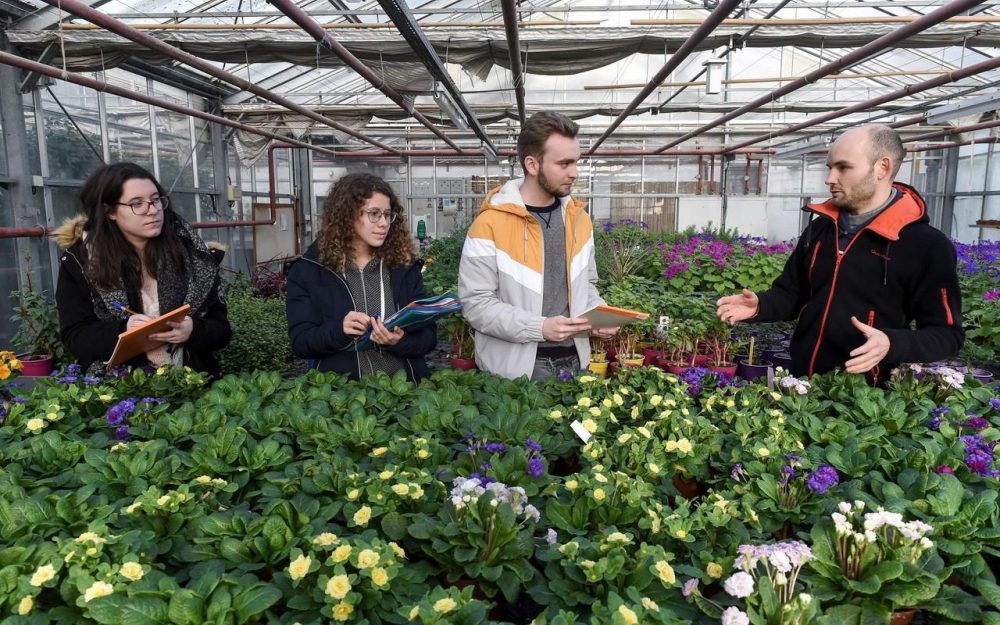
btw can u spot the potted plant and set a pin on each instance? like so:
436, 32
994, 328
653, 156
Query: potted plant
719, 346
625, 342
598, 357
463, 347
752, 367
37, 323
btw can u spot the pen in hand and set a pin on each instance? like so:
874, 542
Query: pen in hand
124, 308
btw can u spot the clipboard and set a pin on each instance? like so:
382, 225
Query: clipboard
136, 341
612, 317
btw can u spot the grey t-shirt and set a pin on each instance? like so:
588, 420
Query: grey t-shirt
850, 224
555, 292
364, 284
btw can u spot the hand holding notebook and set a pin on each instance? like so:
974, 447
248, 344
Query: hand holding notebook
137, 340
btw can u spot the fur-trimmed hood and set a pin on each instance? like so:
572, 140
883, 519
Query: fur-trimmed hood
69, 232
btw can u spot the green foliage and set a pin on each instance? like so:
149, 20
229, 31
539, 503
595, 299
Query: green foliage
260, 331
37, 322
441, 260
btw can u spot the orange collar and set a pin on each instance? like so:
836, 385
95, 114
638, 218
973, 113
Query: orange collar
908, 208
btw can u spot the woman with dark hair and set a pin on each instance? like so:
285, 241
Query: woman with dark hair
360, 270
129, 259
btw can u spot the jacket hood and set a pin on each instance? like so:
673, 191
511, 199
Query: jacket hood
507, 199
71, 231
908, 208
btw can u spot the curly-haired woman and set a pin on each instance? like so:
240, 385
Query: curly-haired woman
130, 252
360, 270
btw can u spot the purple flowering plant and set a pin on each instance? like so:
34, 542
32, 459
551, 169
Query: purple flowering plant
489, 459
129, 410
784, 489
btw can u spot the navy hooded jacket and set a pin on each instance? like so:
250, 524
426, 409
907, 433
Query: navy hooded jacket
317, 302
896, 271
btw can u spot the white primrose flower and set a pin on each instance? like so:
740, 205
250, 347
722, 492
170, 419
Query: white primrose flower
735, 616
740, 585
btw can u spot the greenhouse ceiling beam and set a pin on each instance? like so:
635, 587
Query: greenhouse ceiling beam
978, 68
852, 58
96, 17
819, 21
314, 28
514, 51
410, 29
46, 18
571, 8
956, 130
331, 25
724, 8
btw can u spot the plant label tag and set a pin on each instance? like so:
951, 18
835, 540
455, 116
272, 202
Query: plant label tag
580, 431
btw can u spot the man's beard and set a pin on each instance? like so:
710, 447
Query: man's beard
548, 187
851, 201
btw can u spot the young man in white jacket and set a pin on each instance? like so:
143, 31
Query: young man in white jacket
527, 271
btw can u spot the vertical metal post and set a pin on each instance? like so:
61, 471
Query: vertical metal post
986, 182
434, 189
152, 130
642, 184
194, 162
102, 117
43, 159
950, 158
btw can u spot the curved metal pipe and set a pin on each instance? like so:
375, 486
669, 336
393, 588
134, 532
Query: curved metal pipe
109, 23
862, 53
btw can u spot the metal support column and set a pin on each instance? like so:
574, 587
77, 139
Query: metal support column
950, 158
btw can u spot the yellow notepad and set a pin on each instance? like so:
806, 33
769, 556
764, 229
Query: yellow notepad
611, 317
136, 341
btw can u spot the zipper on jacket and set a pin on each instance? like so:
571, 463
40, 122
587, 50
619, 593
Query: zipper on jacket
357, 357
874, 370
833, 288
947, 308
812, 263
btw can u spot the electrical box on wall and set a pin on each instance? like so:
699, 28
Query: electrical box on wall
233, 193
420, 225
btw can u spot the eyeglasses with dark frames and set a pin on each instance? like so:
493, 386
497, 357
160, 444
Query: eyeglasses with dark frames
375, 215
142, 207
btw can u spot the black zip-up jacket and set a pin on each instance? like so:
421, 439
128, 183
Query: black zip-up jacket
896, 271
90, 339
317, 301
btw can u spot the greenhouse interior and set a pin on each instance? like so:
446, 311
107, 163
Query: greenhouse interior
290, 336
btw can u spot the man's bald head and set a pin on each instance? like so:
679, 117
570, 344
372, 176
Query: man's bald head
881, 141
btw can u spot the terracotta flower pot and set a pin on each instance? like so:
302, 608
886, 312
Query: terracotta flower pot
465, 364
902, 617
38, 366
727, 369
650, 356
634, 360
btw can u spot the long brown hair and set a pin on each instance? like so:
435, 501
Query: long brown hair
343, 205
110, 256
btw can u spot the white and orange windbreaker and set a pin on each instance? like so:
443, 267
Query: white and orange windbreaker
500, 279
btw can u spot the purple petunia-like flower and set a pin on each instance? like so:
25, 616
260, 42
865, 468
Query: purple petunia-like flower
823, 479
690, 587
564, 375
737, 471
536, 467
533, 445
976, 423
91, 380
945, 469
495, 448
68, 379
121, 432
995, 404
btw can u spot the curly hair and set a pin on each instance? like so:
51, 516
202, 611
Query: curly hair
343, 205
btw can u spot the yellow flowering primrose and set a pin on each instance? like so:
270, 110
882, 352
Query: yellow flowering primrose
584, 401
714, 570
341, 553
132, 571
763, 452
52, 416
587, 379
775, 395
342, 611
353, 494
599, 494
90, 537
363, 515
595, 411
414, 612
670, 445
681, 533
423, 454
599, 477
384, 475
624, 438
684, 446
644, 431
131, 508
572, 484
367, 559
654, 468
618, 537
299, 567
396, 549
379, 576
607, 403
665, 572
338, 586
326, 539
35, 424
649, 604
379, 451
628, 615
97, 590
618, 399
443, 606
25, 605
164, 500
43, 574
203, 479
416, 491
589, 425
400, 489
655, 400
555, 414
119, 447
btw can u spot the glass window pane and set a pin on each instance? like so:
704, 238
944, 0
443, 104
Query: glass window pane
206, 162
32, 134
65, 202
8, 270
73, 144
128, 122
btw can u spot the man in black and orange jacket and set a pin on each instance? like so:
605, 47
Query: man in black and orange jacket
871, 282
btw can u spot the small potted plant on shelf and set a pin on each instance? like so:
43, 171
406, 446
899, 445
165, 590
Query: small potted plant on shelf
752, 366
37, 334
719, 347
625, 341
463, 347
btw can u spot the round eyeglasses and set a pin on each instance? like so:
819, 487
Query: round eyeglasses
142, 207
375, 215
